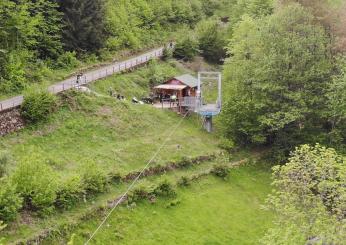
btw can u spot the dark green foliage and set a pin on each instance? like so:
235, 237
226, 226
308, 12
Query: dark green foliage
277, 80
185, 162
143, 191
10, 201
165, 189
221, 170
69, 192
212, 43
37, 106
67, 60
186, 49
336, 113
167, 54
84, 26
49, 28
184, 181
36, 183
210, 6
94, 178
309, 197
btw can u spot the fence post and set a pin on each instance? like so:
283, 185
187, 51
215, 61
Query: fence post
113, 70
63, 87
1, 106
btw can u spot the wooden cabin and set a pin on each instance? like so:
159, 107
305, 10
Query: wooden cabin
181, 86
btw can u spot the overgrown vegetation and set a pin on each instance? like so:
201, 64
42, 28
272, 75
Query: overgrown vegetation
309, 198
41, 39
156, 220
37, 106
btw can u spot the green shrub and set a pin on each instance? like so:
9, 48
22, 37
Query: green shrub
10, 201
115, 176
37, 106
186, 49
37, 184
185, 162
165, 189
184, 181
173, 203
140, 192
95, 179
67, 60
167, 54
211, 41
69, 192
226, 144
221, 170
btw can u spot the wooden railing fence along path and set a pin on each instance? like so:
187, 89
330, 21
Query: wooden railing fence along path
89, 77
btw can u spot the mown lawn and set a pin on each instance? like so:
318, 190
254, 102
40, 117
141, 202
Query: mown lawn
211, 211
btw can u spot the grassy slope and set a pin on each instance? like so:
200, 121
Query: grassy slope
116, 135
212, 211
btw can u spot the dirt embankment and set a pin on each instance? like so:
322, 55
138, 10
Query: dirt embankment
10, 121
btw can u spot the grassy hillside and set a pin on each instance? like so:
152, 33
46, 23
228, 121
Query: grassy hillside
116, 136
210, 211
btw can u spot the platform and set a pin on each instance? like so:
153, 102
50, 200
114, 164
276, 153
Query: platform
209, 110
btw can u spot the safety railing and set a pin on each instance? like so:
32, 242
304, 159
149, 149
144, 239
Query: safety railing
89, 77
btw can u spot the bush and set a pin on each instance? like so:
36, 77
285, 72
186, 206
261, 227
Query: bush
37, 184
167, 54
69, 192
185, 162
221, 170
211, 41
165, 189
37, 106
95, 179
10, 201
226, 144
186, 49
67, 60
142, 191
184, 181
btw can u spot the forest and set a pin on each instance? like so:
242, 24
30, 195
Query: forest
284, 91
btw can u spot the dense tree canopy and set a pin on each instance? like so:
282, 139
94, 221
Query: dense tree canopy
309, 198
37, 36
278, 77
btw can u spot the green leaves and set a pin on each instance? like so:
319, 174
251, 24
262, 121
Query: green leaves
309, 198
37, 106
277, 78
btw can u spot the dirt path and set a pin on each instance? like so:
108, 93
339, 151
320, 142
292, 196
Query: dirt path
89, 76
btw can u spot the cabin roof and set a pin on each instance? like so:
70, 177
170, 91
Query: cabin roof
188, 80
170, 87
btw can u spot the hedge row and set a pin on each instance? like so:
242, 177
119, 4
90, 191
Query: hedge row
34, 186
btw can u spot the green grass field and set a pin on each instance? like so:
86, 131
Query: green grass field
116, 135
211, 211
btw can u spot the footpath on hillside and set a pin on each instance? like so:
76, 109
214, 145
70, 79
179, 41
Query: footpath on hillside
89, 76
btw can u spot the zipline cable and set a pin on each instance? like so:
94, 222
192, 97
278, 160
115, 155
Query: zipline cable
136, 179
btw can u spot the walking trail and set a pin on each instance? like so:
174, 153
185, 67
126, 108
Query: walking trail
89, 76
